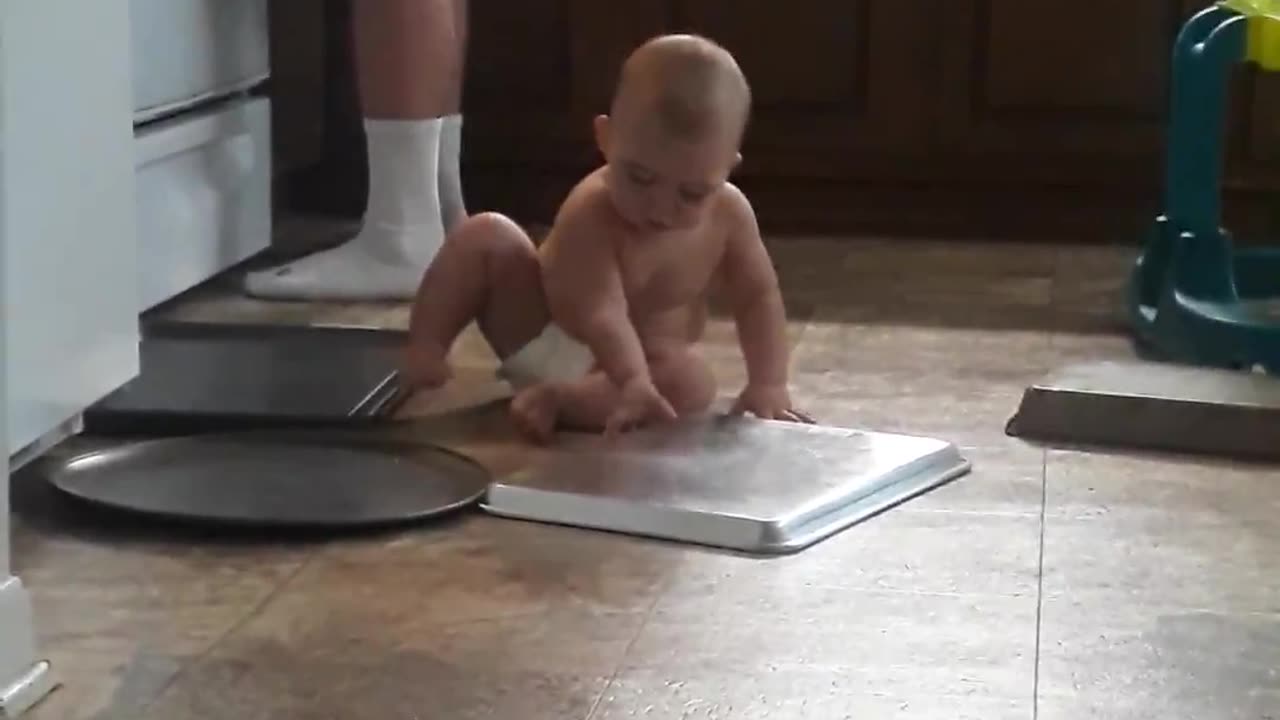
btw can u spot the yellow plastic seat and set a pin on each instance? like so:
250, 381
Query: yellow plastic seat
1264, 30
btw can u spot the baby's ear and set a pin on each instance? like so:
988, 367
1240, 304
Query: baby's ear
601, 128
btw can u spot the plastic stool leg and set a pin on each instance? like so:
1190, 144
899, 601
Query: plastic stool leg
1202, 263
1194, 173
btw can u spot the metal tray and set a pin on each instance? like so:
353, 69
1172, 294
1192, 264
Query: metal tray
209, 378
278, 480
757, 486
1154, 406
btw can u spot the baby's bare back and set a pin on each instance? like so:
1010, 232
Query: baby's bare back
666, 277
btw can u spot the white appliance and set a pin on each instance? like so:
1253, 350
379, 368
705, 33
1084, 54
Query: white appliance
133, 165
189, 51
203, 142
67, 232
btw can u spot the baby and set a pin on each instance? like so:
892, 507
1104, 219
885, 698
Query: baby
596, 328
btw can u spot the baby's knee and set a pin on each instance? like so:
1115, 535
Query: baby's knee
686, 381
492, 231
501, 241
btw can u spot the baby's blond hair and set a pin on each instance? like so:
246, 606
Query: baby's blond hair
692, 84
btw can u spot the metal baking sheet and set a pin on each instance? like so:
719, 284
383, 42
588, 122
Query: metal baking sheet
733, 482
277, 481
209, 378
1154, 406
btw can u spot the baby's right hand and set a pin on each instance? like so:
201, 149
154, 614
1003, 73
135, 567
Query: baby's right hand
638, 403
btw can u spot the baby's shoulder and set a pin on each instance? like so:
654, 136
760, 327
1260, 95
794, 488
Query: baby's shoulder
587, 202
584, 217
733, 204
733, 208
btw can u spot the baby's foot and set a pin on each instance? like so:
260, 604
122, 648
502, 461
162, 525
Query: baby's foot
534, 411
426, 366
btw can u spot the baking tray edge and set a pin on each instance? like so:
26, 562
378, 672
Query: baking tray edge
767, 539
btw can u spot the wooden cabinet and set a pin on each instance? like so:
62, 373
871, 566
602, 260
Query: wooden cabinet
1047, 90
886, 115
835, 82
826, 93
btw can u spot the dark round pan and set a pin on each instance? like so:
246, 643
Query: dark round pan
294, 480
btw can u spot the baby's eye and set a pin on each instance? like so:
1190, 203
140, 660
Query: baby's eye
639, 178
693, 197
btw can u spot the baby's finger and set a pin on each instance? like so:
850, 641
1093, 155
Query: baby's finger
620, 422
615, 428
540, 435
612, 425
665, 410
801, 417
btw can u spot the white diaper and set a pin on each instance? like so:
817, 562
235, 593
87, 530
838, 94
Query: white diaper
552, 356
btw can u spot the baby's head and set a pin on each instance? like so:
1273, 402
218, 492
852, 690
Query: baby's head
673, 134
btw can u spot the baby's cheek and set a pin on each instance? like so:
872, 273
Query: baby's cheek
638, 203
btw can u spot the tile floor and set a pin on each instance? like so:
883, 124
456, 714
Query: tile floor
1049, 584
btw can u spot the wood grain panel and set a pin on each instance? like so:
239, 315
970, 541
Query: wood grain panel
833, 79
297, 83
538, 70
1261, 111
1090, 59
813, 56
1035, 78
519, 56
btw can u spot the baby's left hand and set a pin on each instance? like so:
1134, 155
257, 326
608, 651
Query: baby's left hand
769, 402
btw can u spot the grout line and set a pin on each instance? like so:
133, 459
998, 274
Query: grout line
626, 653
1044, 502
235, 627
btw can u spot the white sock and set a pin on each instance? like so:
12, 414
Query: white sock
402, 229
453, 208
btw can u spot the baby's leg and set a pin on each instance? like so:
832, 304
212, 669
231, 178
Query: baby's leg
487, 272
684, 379
680, 374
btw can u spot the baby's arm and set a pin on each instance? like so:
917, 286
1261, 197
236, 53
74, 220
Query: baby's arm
586, 298
759, 313
755, 297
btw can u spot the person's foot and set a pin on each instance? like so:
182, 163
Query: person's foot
426, 366
377, 265
534, 411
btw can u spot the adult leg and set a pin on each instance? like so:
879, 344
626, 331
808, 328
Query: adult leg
453, 208
409, 63
487, 272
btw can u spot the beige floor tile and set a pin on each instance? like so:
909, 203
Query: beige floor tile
1195, 535
902, 550
737, 693
1107, 656
875, 642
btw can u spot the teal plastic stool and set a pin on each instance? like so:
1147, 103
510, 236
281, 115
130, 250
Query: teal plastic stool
1192, 297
